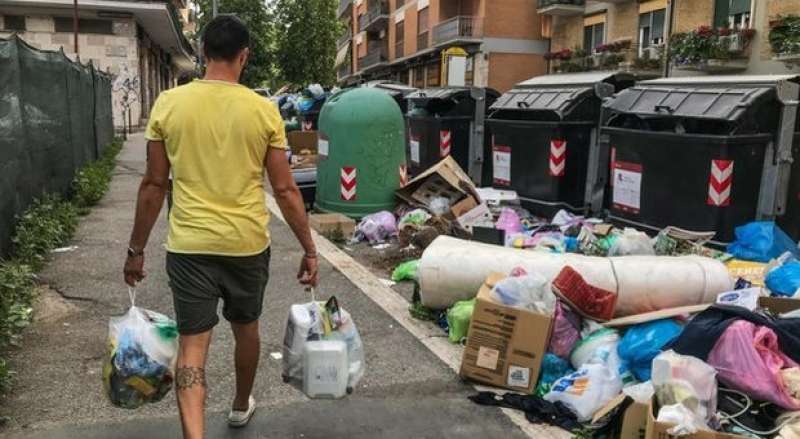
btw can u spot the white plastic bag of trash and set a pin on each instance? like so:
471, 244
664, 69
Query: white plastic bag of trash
631, 243
529, 291
586, 390
305, 324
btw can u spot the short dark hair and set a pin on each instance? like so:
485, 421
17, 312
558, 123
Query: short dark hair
224, 37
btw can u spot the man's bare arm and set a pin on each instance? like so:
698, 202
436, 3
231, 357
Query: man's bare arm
150, 200
290, 201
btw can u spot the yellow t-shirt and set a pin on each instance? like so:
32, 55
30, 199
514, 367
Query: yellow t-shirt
217, 134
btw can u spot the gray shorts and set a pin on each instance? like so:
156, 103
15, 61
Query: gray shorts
199, 281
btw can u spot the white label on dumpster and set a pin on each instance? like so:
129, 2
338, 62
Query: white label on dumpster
501, 159
518, 377
414, 146
627, 186
322, 147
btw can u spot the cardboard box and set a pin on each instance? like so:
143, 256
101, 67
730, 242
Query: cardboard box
330, 223
658, 430
505, 345
444, 179
779, 305
302, 140
634, 419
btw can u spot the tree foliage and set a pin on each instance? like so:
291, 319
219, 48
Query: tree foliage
306, 32
260, 69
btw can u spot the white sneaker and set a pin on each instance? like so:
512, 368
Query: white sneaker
238, 418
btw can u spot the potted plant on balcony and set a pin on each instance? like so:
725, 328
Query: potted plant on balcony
711, 50
610, 56
784, 38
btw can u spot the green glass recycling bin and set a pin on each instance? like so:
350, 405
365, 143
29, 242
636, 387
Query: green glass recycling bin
361, 150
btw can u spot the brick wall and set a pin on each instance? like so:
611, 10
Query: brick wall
512, 19
508, 69
691, 14
567, 33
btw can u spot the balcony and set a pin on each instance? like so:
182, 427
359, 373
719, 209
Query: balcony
399, 50
460, 29
374, 58
344, 70
345, 6
423, 41
344, 39
561, 7
376, 18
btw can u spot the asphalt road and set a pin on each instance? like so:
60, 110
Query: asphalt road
407, 392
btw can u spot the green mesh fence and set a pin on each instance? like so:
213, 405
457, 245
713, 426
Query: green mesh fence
55, 115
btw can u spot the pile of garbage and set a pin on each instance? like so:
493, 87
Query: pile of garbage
604, 328
302, 102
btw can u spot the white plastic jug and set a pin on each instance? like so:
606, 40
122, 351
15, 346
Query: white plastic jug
326, 369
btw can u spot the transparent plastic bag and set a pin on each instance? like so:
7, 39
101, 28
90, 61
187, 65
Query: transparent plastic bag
376, 228
530, 291
305, 323
686, 380
632, 242
140, 364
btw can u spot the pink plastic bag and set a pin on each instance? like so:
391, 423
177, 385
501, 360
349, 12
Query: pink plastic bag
566, 331
748, 359
509, 221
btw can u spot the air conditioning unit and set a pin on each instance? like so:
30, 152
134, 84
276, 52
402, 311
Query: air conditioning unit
651, 52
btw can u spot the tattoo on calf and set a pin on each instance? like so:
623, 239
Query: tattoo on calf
187, 377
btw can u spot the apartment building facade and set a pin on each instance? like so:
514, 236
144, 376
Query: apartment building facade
700, 36
404, 40
138, 41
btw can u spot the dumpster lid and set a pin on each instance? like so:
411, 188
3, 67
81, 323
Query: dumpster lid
559, 94
573, 79
704, 100
447, 93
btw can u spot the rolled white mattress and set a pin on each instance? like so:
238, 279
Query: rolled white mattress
453, 269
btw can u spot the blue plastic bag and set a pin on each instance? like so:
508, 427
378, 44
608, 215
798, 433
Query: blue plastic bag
642, 343
761, 242
553, 368
784, 280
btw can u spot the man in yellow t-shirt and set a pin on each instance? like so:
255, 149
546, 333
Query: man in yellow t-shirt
217, 137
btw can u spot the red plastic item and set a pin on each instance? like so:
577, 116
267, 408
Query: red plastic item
587, 300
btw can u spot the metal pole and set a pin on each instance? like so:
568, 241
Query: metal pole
669, 22
75, 24
214, 8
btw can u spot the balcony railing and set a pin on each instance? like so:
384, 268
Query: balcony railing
373, 57
561, 7
344, 6
375, 18
399, 50
344, 70
423, 40
458, 28
348, 35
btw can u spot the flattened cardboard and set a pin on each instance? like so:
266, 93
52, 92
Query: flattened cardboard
505, 345
779, 305
325, 223
656, 315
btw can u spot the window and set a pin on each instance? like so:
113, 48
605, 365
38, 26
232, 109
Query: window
651, 29
469, 74
434, 75
399, 39
734, 14
593, 36
14, 22
422, 21
419, 77
85, 26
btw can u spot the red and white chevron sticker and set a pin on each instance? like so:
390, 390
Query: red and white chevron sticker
445, 143
558, 157
308, 125
720, 183
348, 180
403, 176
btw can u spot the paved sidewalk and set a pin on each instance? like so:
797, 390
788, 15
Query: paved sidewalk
406, 392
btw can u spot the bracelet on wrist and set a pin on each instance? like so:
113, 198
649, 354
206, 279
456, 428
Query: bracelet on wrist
311, 255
